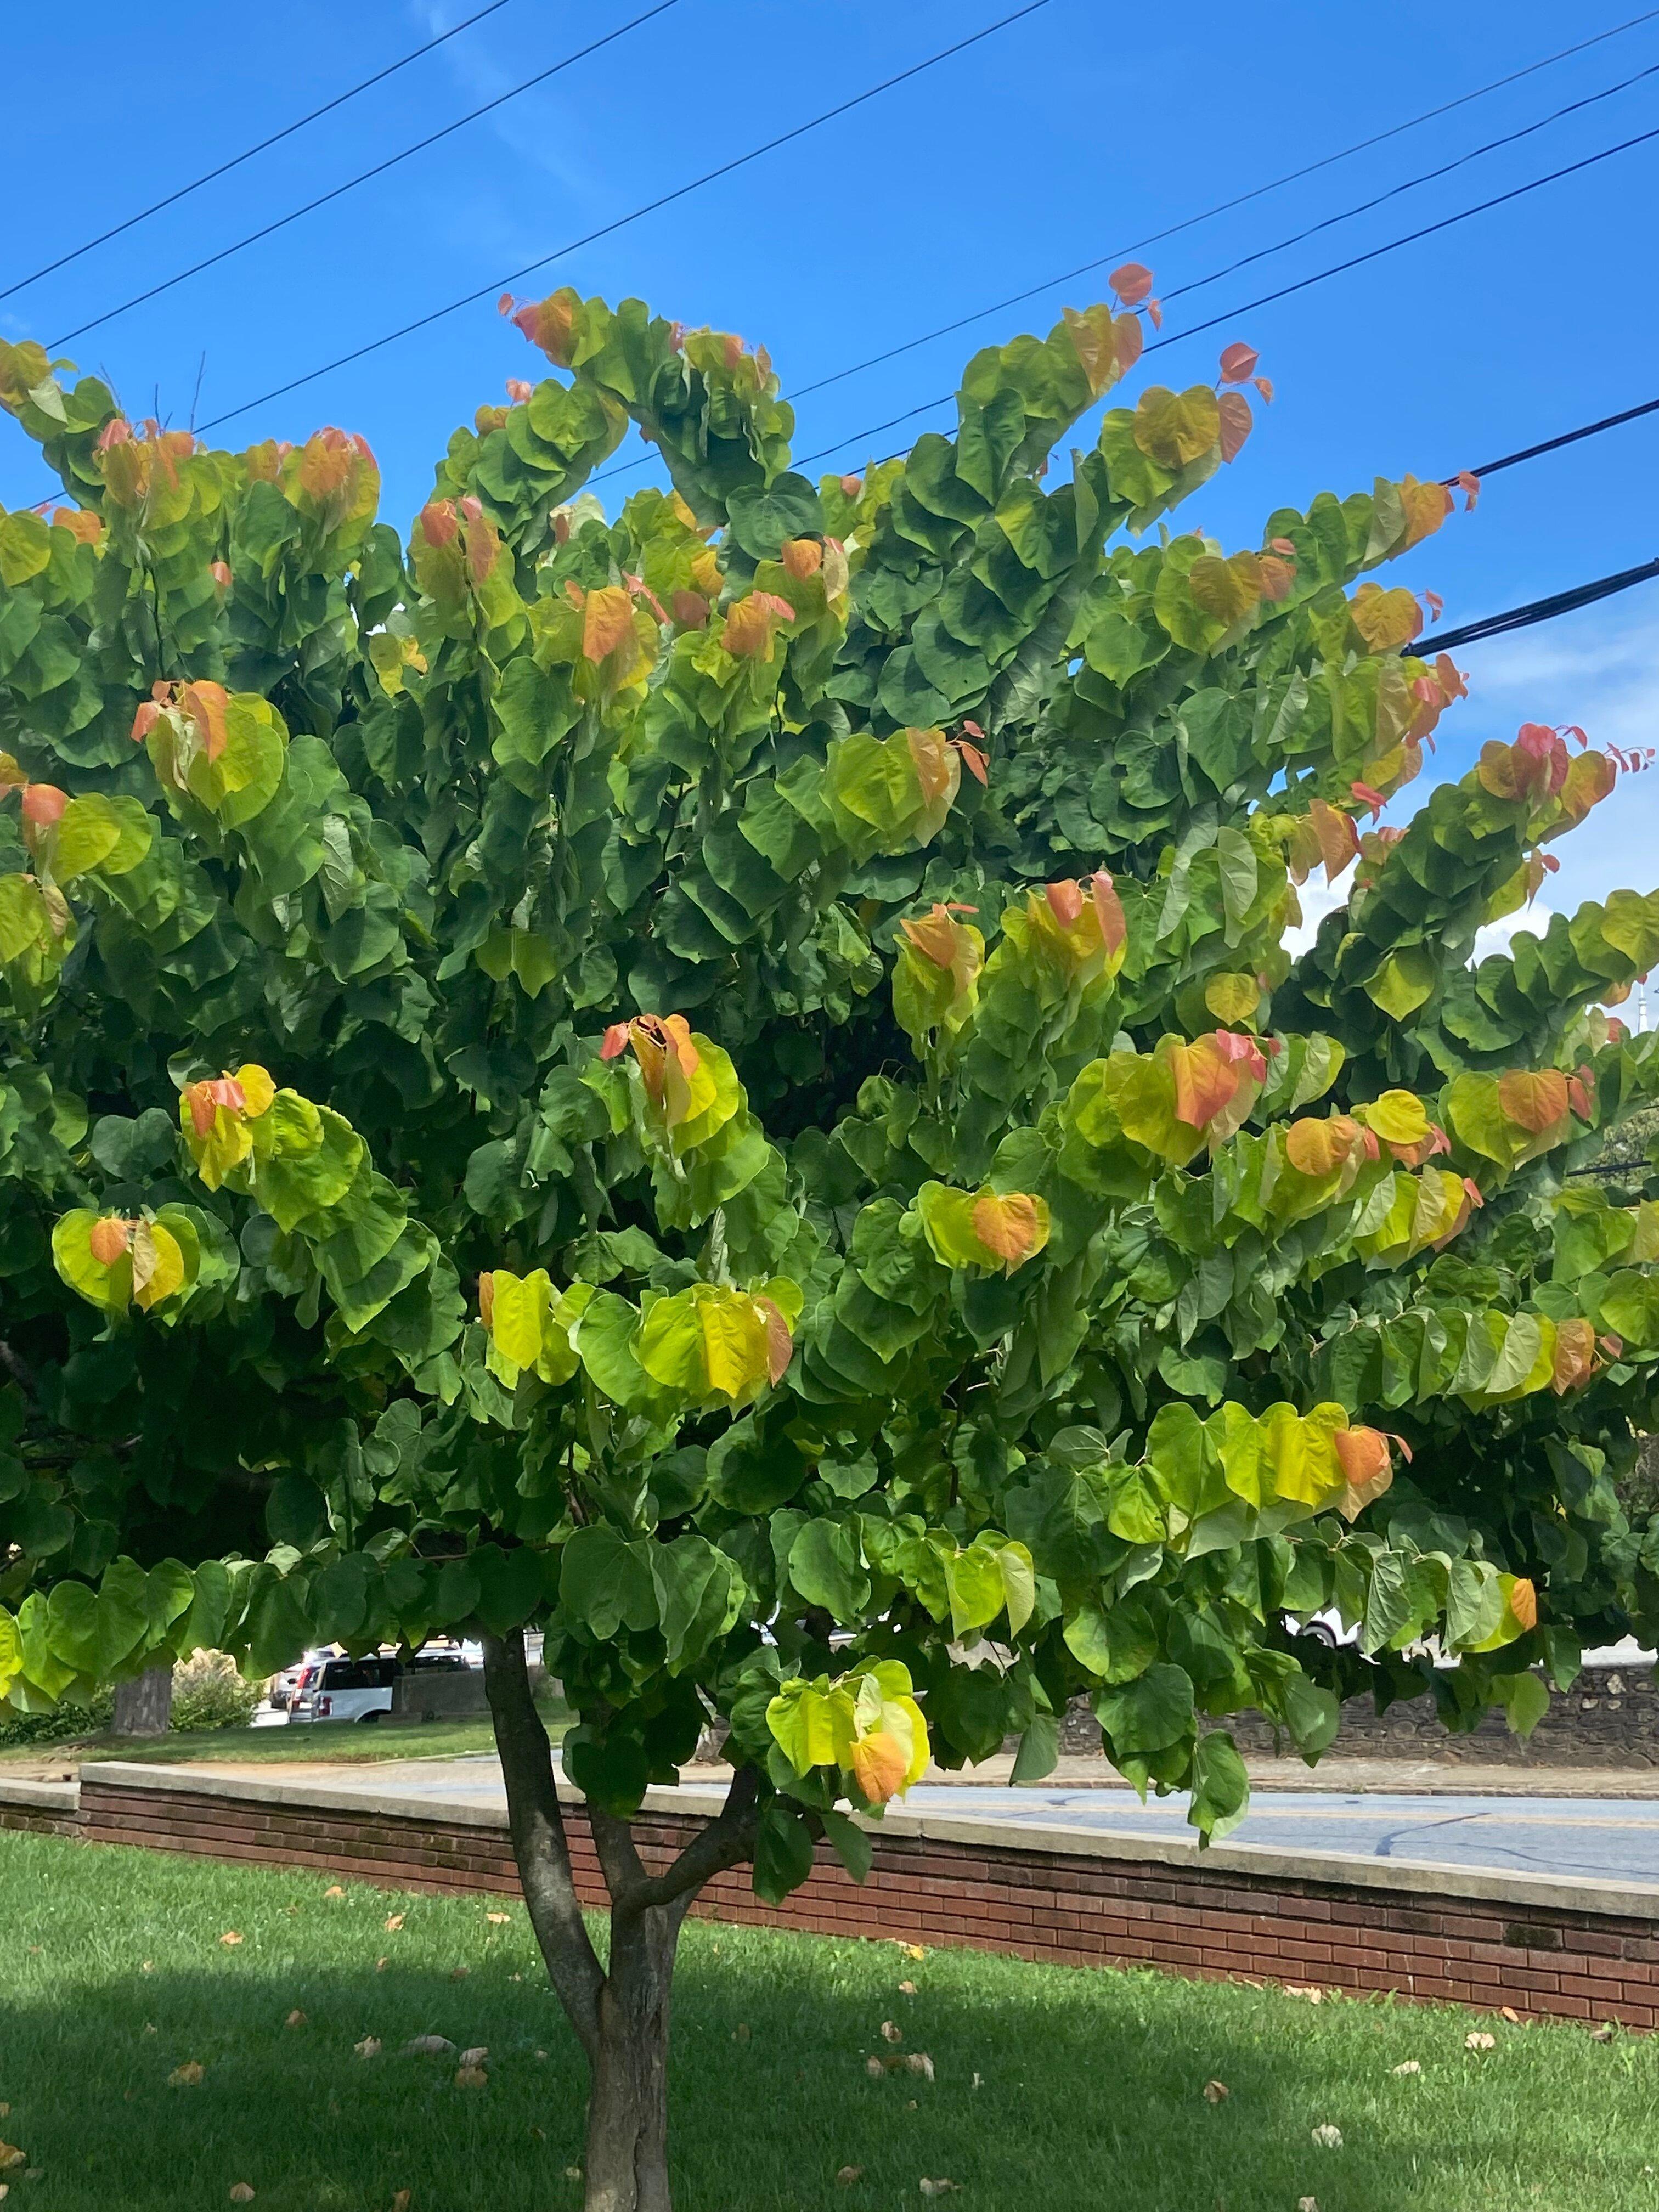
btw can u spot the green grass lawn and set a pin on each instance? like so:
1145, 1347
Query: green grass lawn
1053, 2087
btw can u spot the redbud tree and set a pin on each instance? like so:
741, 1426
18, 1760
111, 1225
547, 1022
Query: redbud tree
726, 1085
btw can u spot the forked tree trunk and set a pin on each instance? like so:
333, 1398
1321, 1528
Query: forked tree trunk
621, 2017
143, 1706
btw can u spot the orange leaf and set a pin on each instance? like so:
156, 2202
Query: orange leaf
109, 1239
689, 609
43, 804
779, 1343
879, 1765
1009, 1225
1523, 1603
751, 623
607, 620
1534, 1102
935, 764
1575, 1355
1315, 1147
1236, 423
1109, 909
803, 557
1064, 903
1363, 1454
206, 704
934, 936
1339, 840
973, 760
1205, 1082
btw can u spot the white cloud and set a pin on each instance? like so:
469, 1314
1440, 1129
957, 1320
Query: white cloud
1500, 936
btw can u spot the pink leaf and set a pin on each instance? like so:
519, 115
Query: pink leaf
1132, 282
1238, 362
1368, 797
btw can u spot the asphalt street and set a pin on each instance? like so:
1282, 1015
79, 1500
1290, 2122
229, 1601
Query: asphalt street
1615, 1841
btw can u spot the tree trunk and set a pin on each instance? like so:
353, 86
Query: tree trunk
143, 1706
620, 2018
626, 2164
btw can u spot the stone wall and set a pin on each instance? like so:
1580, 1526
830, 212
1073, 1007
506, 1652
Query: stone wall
1610, 1717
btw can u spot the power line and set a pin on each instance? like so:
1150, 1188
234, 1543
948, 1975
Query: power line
364, 176
1567, 438
237, 159
1301, 284
621, 222
1540, 610
1225, 207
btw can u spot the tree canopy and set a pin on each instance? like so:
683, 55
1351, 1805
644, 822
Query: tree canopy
726, 1084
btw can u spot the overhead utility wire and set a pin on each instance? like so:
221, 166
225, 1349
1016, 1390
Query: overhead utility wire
621, 222
363, 176
1302, 283
248, 153
1197, 283
1540, 610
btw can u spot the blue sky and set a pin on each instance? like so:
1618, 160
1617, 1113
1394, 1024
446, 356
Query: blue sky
1072, 134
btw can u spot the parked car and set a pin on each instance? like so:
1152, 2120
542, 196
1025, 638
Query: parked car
337, 1689
345, 1690
285, 1686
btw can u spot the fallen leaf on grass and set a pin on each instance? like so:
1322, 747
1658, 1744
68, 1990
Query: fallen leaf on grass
380, 1964
538, 2135
573, 2173
891, 2032
1327, 2137
459, 1973
427, 2045
915, 1951
907, 1989
5, 2112
938, 2188
394, 1921
148, 1966
1311, 1995
874, 2068
1216, 2093
400, 2202
5, 2191
187, 2076
471, 2077
979, 2081
918, 2061
740, 2033
1602, 2034
498, 1919
230, 1939
476, 2056
368, 2048
11, 2156
241, 2193
1307, 2204
848, 2175
295, 2018
1478, 2040
1510, 2014
538, 2054
150, 2028
334, 1890
1407, 2066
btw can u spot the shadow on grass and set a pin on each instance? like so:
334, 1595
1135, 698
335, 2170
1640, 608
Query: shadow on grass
1051, 2087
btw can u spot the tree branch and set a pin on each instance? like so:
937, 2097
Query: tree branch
539, 1843
727, 1841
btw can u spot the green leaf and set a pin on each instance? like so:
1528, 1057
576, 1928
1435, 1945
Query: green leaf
604, 1582
1149, 1714
825, 1568
783, 1850
1221, 1788
854, 1846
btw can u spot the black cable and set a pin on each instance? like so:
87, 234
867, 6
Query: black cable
275, 139
1538, 610
1567, 438
1302, 284
621, 222
364, 176
1197, 283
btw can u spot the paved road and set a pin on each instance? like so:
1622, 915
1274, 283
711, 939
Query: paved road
1610, 1840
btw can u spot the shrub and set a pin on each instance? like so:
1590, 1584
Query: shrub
208, 1693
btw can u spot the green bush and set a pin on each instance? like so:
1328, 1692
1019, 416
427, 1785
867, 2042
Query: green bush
60, 1725
208, 1693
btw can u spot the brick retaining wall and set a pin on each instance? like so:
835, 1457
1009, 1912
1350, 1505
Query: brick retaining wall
1556, 1948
